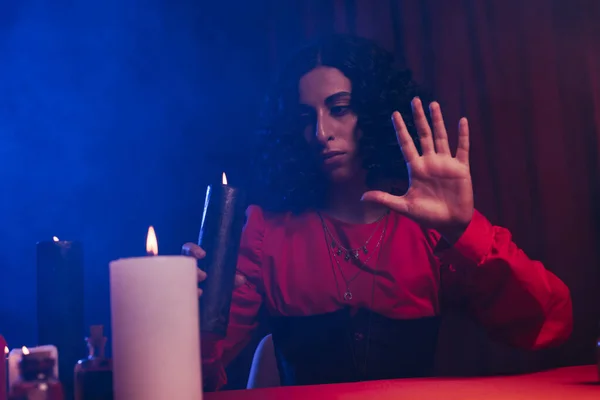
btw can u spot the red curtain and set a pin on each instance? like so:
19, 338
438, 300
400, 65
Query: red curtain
527, 75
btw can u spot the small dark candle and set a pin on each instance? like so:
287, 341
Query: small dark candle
220, 234
60, 300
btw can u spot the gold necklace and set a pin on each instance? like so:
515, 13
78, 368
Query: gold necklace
348, 293
338, 248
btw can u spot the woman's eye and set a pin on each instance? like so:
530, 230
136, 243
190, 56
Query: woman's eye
338, 111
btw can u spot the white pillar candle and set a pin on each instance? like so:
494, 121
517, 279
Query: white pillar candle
155, 328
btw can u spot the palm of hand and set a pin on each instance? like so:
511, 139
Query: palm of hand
440, 192
440, 195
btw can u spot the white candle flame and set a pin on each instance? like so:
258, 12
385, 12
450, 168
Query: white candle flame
224, 179
25, 350
151, 242
55, 238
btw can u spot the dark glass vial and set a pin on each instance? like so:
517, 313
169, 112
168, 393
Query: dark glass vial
93, 375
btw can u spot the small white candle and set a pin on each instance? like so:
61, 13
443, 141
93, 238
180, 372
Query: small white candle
155, 327
15, 355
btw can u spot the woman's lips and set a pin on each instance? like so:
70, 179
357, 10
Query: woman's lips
332, 157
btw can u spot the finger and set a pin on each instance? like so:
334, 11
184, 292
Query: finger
405, 141
201, 275
396, 203
193, 250
422, 125
462, 152
199, 292
440, 135
240, 280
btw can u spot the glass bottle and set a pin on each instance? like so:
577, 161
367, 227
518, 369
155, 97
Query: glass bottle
36, 379
93, 375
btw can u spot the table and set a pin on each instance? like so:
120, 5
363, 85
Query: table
579, 383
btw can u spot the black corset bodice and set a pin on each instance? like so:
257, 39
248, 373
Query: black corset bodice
345, 347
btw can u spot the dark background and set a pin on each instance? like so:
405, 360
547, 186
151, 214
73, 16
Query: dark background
115, 115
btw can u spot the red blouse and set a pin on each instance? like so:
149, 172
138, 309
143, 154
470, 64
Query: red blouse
290, 267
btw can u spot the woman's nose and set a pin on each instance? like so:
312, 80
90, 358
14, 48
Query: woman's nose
323, 132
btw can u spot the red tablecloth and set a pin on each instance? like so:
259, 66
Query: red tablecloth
575, 383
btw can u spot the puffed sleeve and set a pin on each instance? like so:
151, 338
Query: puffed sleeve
515, 298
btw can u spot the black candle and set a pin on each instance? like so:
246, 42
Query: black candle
60, 311
220, 233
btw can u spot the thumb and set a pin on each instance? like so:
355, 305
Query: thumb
240, 280
396, 203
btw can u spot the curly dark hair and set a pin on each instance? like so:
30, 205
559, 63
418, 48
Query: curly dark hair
289, 177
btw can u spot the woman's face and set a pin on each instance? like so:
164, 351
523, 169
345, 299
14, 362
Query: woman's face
330, 124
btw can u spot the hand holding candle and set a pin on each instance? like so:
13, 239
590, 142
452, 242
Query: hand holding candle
220, 234
193, 250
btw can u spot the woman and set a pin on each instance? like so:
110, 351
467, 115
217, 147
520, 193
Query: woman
353, 266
